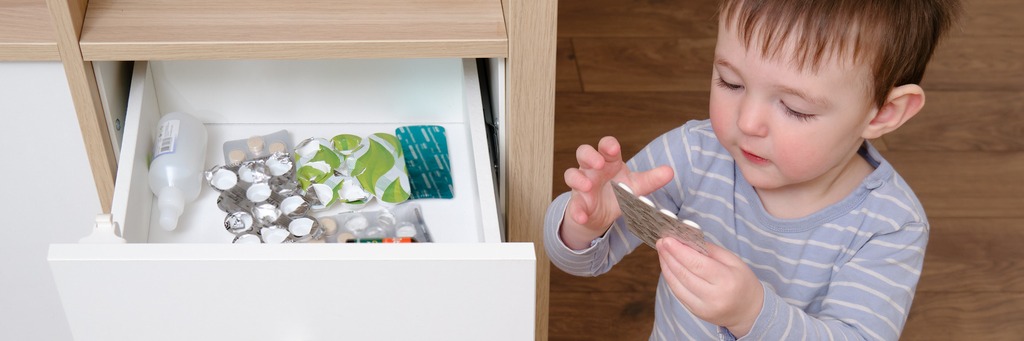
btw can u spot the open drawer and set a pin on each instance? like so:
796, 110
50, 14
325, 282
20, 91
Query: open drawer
192, 284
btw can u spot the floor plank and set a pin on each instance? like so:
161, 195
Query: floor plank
638, 271
637, 18
988, 18
964, 121
964, 184
974, 240
965, 316
645, 64
980, 63
601, 316
567, 77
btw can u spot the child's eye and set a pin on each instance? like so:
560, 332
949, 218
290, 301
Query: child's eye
796, 114
729, 86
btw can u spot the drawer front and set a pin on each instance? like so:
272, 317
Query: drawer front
191, 284
477, 291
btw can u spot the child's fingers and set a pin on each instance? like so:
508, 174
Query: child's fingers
610, 149
577, 180
646, 182
578, 209
724, 256
677, 278
704, 270
589, 158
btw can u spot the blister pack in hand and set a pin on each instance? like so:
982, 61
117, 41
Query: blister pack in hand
649, 223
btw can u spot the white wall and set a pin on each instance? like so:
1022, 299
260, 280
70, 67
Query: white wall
47, 195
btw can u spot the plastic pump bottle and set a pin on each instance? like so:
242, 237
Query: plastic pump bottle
175, 174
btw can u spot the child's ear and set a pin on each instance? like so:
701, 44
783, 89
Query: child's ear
903, 103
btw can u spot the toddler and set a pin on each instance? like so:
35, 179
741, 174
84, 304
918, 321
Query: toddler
811, 233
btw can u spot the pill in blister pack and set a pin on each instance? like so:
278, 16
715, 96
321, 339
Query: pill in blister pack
398, 224
646, 221
261, 202
257, 146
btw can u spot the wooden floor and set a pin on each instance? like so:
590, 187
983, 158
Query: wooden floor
635, 68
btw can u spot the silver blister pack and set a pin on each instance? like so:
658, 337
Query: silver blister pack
649, 223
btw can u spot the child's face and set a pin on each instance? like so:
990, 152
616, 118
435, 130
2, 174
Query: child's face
788, 128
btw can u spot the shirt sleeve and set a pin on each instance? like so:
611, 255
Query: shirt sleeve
868, 299
618, 241
603, 253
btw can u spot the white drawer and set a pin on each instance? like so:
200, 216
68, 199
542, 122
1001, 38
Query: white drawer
191, 284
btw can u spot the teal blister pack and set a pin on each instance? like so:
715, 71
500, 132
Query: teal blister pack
426, 159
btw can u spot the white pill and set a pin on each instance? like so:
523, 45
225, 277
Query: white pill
300, 227
324, 193
278, 166
691, 223
258, 192
625, 188
669, 214
224, 179
277, 147
236, 156
344, 237
274, 235
308, 148
646, 201
255, 144
329, 226
247, 239
290, 204
405, 229
357, 223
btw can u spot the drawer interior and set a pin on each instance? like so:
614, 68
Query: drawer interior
321, 98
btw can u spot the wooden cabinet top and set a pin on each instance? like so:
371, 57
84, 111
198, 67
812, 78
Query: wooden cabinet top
25, 31
300, 29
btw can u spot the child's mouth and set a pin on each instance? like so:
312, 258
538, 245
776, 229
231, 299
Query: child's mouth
754, 158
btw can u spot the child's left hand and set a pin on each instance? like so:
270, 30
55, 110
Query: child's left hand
719, 288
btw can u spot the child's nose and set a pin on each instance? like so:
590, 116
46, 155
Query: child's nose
752, 119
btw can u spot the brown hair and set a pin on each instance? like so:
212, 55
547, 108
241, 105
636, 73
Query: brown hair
894, 38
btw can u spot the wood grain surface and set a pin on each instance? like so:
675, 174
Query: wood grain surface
644, 67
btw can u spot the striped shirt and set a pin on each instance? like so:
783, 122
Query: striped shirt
846, 272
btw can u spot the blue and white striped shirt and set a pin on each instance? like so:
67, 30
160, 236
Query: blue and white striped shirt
846, 272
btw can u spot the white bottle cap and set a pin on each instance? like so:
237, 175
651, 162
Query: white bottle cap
170, 203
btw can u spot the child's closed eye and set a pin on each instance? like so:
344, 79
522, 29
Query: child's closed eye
726, 85
796, 114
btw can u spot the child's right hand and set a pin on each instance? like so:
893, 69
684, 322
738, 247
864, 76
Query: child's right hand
592, 207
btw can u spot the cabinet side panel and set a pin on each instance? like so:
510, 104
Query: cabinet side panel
530, 122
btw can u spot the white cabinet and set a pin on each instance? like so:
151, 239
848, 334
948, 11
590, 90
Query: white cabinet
134, 291
192, 283
45, 171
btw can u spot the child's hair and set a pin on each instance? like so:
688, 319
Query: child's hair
894, 38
